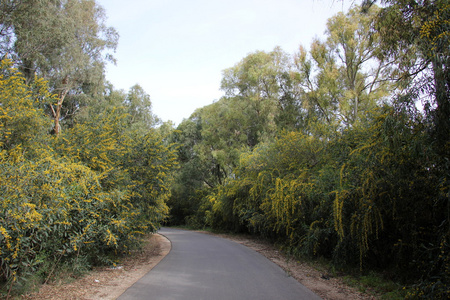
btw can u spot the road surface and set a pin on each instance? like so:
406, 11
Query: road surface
201, 266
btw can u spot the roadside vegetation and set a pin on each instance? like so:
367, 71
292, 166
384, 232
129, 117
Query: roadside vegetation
338, 152
84, 170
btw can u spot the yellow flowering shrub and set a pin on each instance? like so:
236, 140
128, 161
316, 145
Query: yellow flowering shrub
23, 123
367, 195
92, 192
436, 31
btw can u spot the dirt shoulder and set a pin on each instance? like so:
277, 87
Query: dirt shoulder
107, 283
323, 284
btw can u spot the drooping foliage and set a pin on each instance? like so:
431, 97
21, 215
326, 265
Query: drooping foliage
330, 152
323, 151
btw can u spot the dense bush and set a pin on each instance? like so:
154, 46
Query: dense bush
88, 194
373, 196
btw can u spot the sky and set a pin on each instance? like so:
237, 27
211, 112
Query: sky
176, 50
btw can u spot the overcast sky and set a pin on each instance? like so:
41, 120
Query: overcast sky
177, 49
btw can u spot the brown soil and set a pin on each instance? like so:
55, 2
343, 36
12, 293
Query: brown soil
320, 282
107, 283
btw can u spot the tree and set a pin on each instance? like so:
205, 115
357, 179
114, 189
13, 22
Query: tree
6, 27
415, 34
365, 74
22, 120
201, 149
344, 76
262, 83
63, 41
193, 176
139, 108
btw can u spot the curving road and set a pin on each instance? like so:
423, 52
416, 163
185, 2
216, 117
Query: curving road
201, 266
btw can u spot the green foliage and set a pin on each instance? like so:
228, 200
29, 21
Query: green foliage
367, 197
261, 96
65, 42
21, 116
78, 199
150, 166
415, 34
75, 37
92, 191
139, 109
355, 173
344, 76
191, 176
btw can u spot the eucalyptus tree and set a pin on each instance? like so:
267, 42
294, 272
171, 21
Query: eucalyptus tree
63, 41
6, 28
415, 34
139, 107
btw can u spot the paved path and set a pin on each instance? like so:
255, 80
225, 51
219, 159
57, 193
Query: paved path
202, 266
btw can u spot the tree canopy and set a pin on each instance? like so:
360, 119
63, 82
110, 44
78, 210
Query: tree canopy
62, 41
87, 194
337, 151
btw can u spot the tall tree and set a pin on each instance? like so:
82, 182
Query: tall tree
415, 33
263, 84
139, 108
6, 27
62, 40
344, 76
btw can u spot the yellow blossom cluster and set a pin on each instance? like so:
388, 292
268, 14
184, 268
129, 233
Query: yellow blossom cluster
436, 30
79, 194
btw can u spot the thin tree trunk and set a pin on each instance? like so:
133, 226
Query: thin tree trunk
57, 117
57, 113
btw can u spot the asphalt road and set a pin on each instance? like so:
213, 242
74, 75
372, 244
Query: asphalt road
200, 266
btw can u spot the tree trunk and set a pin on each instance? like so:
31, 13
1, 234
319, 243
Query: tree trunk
57, 116
442, 94
57, 113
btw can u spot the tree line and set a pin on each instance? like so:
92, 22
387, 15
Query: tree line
340, 150
85, 169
